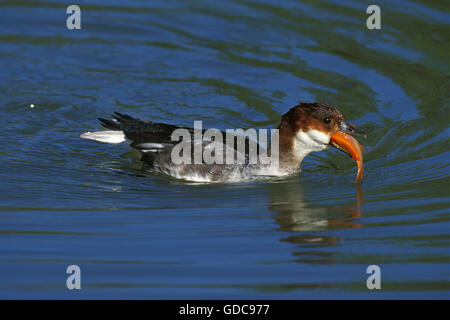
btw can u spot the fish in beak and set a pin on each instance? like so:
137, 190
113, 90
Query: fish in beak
343, 140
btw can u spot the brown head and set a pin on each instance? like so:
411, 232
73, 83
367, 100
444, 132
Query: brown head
312, 127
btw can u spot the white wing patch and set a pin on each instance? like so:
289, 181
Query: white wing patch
105, 136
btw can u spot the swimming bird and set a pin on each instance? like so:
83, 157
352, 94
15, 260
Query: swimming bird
307, 127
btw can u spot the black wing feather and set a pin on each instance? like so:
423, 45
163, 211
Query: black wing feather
141, 132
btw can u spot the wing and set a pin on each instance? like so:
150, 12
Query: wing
144, 135
149, 136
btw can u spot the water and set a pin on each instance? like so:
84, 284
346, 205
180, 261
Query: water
232, 64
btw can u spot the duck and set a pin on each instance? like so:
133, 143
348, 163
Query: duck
200, 155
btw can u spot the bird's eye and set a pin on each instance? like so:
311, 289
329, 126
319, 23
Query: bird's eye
327, 120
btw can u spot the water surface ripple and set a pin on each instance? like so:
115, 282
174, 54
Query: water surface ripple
232, 64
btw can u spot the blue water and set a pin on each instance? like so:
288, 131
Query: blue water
137, 234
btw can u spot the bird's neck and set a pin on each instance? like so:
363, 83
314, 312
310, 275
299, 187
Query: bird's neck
292, 150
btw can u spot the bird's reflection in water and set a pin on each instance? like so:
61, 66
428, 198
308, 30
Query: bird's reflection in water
310, 224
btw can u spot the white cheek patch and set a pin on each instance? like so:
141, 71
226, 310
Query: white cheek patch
313, 140
319, 136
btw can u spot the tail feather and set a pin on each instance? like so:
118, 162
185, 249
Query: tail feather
121, 117
105, 136
110, 124
144, 135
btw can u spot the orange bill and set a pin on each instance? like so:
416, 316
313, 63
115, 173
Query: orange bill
351, 146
